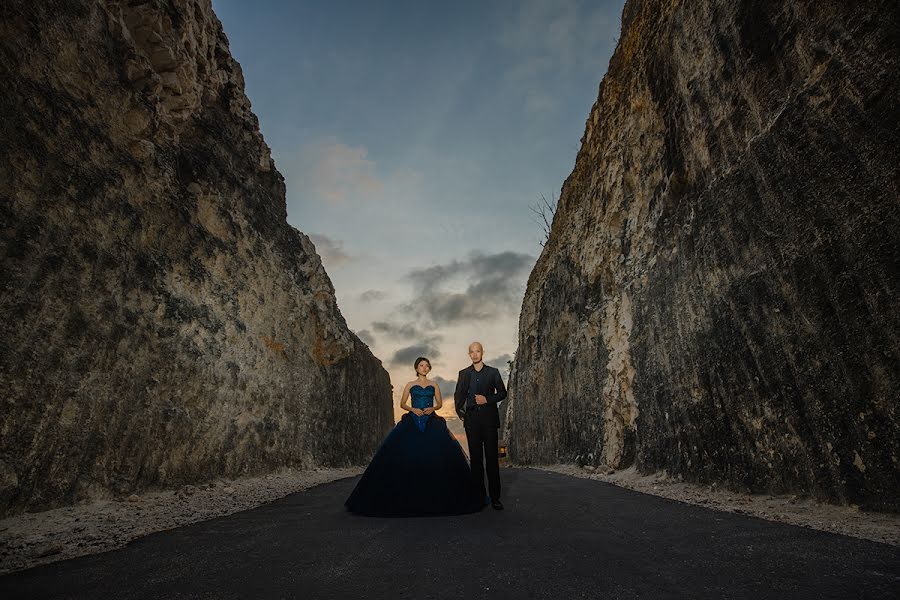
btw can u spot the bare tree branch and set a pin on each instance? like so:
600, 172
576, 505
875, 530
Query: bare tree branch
544, 212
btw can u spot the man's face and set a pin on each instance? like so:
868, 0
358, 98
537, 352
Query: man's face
475, 352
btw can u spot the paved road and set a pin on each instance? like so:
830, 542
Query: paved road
560, 537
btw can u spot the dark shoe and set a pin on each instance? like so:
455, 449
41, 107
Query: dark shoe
497, 504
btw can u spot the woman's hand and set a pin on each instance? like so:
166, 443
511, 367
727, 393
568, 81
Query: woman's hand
416, 411
428, 410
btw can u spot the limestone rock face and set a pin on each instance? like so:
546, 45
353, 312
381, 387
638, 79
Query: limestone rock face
718, 295
162, 323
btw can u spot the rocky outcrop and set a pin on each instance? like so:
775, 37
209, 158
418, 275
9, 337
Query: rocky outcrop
162, 323
717, 297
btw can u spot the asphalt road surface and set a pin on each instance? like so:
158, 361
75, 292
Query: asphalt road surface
559, 537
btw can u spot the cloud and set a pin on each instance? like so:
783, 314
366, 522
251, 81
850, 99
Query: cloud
406, 356
503, 264
331, 251
372, 296
399, 330
330, 171
543, 27
447, 386
558, 34
493, 284
536, 102
530, 69
366, 337
499, 362
549, 38
344, 171
453, 308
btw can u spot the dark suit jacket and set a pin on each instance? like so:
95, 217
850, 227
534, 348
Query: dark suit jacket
490, 385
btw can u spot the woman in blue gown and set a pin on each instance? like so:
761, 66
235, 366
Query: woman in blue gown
420, 468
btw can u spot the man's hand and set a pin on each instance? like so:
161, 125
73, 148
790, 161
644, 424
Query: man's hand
480, 399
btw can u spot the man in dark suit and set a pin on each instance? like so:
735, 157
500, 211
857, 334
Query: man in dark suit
479, 388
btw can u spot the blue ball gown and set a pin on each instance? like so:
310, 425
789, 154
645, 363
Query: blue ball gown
419, 470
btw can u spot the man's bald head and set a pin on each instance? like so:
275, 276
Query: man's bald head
476, 352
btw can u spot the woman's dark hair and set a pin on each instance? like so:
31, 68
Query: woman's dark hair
418, 360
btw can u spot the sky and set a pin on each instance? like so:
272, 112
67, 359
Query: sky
414, 139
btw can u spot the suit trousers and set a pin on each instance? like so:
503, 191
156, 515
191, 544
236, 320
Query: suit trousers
484, 447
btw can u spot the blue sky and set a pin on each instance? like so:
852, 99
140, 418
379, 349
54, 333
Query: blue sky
413, 137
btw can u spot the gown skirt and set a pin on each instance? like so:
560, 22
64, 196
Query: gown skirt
419, 470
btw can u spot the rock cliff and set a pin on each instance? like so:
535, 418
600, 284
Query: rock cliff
718, 294
162, 323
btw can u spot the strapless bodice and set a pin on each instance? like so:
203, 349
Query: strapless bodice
422, 397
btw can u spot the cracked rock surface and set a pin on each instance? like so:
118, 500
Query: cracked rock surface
717, 296
162, 323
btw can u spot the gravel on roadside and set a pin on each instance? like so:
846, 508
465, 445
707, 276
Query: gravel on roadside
31, 539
